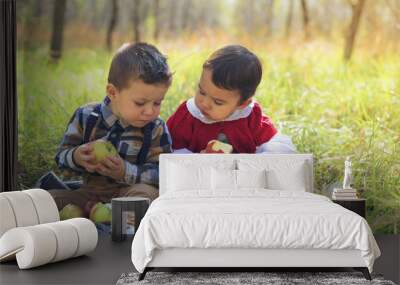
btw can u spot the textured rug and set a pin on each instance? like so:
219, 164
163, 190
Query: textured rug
242, 278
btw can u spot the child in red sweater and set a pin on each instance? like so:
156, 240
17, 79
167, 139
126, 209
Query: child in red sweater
223, 107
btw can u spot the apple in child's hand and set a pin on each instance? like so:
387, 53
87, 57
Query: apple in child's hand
100, 213
102, 149
215, 146
70, 211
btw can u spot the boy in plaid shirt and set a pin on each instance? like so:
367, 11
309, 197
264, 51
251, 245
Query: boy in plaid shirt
128, 117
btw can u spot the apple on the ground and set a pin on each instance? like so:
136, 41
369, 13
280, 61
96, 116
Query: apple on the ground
100, 213
71, 211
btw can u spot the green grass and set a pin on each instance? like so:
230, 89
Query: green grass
330, 109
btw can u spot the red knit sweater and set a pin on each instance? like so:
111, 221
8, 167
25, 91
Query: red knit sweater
244, 134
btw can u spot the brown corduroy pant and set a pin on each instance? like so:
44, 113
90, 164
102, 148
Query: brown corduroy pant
101, 190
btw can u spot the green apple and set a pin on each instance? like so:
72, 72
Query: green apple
102, 149
71, 211
100, 213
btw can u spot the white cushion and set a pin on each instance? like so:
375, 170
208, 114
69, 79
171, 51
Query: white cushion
66, 237
23, 208
195, 174
285, 174
45, 205
230, 161
223, 179
34, 244
40, 244
202, 160
7, 218
183, 177
293, 180
87, 235
251, 178
26, 208
226, 179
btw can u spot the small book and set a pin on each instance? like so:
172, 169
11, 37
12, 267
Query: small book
50, 181
340, 190
340, 197
345, 198
344, 195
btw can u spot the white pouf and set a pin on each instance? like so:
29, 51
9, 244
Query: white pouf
31, 232
37, 245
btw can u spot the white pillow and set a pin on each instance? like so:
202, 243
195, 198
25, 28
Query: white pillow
285, 174
251, 178
183, 177
227, 179
223, 179
194, 173
293, 180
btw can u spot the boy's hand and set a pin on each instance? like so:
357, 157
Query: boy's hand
112, 166
83, 156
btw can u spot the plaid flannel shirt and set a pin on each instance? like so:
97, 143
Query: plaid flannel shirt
128, 145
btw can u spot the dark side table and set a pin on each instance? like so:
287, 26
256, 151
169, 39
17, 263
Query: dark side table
136, 205
355, 205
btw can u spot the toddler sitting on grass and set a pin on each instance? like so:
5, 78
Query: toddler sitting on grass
223, 107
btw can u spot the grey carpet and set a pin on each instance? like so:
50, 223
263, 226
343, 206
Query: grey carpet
269, 278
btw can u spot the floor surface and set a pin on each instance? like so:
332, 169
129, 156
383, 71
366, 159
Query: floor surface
110, 260
102, 266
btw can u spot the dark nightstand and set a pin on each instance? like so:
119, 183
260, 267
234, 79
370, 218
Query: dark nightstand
355, 205
120, 207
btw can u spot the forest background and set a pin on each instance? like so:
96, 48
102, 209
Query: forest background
331, 76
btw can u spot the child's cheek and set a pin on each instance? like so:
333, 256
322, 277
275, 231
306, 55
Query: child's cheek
158, 109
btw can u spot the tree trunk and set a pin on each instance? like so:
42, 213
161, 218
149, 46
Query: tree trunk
395, 9
172, 16
185, 14
270, 16
306, 19
352, 32
144, 11
31, 23
58, 29
248, 13
92, 10
289, 19
136, 21
112, 24
156, 19
38, 10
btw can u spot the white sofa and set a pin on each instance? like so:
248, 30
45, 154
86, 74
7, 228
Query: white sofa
31, 231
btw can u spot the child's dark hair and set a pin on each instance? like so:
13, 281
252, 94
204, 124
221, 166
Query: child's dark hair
235, 68
138, 61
